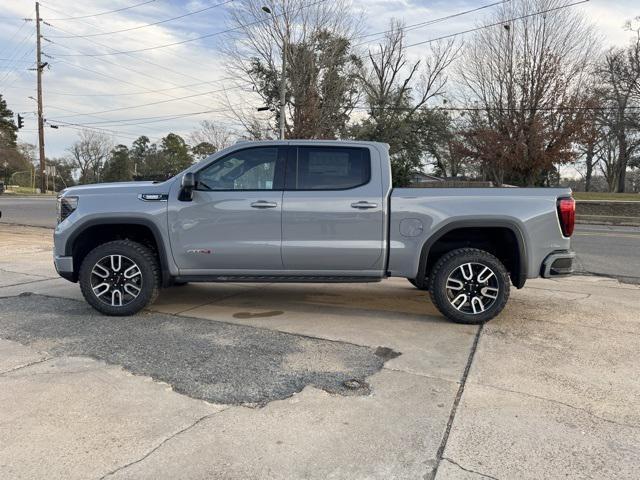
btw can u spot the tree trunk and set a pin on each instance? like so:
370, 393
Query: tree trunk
589, 173
622, 163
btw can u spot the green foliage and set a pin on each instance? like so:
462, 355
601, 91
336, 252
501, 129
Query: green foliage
64, 173
321, 90
8, 129
410, 135
203, 150
152, 162
118, 167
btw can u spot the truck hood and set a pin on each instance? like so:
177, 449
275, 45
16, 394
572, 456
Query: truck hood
118, 188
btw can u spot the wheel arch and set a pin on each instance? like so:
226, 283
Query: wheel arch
518, 272
98, 231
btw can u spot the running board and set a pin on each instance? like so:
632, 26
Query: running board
274, 279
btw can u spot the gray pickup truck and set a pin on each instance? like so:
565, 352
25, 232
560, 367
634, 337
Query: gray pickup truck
309, 211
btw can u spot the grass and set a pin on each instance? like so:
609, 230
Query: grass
15, 190
627, 197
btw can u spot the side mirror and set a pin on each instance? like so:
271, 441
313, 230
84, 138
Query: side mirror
188, 184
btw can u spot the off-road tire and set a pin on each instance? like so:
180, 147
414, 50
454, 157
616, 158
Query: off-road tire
143, 257
447, 264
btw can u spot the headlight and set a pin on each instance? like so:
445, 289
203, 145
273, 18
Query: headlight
65, 206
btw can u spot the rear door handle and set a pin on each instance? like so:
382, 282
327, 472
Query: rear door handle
264, 204
362, 205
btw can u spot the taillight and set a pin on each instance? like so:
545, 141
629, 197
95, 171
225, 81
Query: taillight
567, 215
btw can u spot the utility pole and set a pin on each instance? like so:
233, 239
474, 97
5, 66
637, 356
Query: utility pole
39, 67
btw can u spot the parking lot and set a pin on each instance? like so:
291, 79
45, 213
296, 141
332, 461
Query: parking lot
243, 381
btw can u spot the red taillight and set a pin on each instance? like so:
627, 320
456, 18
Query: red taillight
567, 215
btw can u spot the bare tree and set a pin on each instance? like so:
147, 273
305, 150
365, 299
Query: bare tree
526, 74
620, 71
396, 93
314, 37
88, 154
214, 134
390, 80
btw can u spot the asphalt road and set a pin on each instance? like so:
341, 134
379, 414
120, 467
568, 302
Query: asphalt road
608, 250
602, 250
33, 211
214, 361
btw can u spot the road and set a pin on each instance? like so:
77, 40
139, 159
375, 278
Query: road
608, 250
32, 211
602, 250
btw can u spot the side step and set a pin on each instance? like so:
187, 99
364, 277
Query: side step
275, 279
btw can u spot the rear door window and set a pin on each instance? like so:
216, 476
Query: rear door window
328, 168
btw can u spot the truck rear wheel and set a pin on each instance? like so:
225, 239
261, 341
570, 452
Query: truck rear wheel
120, 277
469, 285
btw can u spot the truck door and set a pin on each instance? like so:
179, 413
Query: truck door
234, 221
332, 215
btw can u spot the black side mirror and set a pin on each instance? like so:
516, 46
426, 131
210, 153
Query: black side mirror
188, 184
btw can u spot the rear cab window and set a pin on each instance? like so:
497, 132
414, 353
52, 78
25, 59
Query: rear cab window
327, 168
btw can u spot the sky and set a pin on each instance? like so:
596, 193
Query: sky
133, 94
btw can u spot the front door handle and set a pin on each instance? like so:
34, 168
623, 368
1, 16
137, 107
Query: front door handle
264, 204
362, 205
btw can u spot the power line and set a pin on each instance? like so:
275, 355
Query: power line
80, 127
25, 20
104, 120
131, 56
158, 118
99, 14
145, 25
98, 29
182, 42
139, 73
415, 26
11, 67
415, 44
503, 22
68, 94
155, 103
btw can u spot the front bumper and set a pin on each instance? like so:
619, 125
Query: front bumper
558, 264
64, 267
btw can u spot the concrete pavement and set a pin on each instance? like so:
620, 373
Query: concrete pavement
549, 389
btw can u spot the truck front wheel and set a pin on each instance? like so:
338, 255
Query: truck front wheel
120, 277
469, 285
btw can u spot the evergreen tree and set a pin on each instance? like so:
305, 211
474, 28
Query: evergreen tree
174, 154
8, 129
118, 166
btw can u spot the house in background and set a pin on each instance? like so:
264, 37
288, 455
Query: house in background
419, 178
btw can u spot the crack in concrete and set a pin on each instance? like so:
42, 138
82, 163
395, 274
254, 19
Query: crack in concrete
26, 365
27, 283
604, 329
162, 443
626, 279
468, 469
456, 402
27, 274
586, 295
559, 402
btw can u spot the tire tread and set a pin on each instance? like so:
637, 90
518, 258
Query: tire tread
439, 296
147, 254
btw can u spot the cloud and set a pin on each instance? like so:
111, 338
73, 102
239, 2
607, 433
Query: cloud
130, 77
